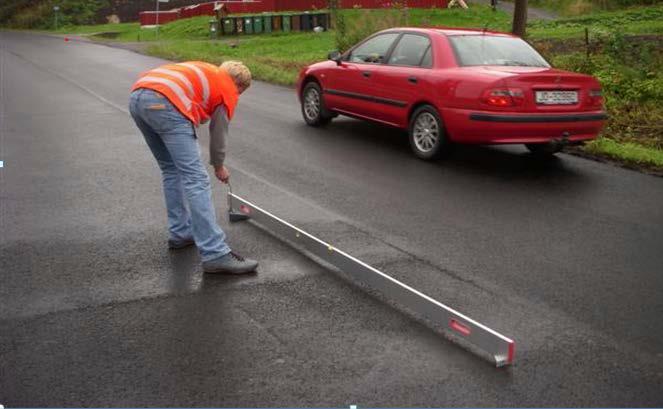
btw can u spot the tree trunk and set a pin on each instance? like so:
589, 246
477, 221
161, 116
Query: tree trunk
519, 18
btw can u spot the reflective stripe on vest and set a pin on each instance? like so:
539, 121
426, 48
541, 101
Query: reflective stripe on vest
203, 81
180, 77
170, 84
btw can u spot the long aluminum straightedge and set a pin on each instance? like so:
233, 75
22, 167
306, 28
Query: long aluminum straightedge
495, 344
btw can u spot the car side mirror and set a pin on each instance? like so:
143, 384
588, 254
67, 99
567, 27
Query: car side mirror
335, 56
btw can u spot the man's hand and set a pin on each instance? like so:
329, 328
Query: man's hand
222, 173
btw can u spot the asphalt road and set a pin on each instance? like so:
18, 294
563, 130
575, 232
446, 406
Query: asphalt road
565, 256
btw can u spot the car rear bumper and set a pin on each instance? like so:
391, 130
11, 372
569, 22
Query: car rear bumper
470, 126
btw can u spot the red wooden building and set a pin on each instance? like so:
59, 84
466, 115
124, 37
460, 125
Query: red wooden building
259, 6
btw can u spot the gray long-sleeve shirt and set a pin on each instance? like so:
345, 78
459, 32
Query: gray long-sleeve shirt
218, 131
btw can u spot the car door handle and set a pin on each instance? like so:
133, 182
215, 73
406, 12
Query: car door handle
412, 79
366, 74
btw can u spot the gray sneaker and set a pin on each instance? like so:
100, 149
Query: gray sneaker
231, 263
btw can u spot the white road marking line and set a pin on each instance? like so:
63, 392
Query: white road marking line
73, 82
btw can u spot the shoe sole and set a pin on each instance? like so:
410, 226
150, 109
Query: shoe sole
231, 272
180, 246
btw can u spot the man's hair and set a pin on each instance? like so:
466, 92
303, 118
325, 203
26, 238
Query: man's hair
239, 73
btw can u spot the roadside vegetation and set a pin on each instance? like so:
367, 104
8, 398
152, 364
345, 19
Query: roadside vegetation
195, 28
623, 48
34, 14
627, 61
584, 7
636, 20
276, 58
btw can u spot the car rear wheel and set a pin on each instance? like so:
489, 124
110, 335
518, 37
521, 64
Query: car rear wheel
544, 149
313, 106
428, 139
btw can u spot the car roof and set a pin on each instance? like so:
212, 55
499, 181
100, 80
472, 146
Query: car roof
451, 31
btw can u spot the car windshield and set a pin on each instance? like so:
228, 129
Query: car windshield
494, 50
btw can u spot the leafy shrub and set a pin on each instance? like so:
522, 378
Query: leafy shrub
632, 84
352, 29
33, 14
579, 7
608, 20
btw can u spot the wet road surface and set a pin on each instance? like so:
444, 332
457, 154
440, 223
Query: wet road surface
565, 256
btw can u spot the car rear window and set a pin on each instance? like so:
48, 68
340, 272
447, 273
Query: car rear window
493, 50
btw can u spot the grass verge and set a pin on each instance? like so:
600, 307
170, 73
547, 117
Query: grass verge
585, 7
628, 154
637, 20
275, 58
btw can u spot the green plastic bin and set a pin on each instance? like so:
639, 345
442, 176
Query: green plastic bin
257, 24
214, 28
248, 24
286, 23
267, 23
228, 26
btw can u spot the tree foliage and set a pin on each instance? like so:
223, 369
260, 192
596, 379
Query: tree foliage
40, 13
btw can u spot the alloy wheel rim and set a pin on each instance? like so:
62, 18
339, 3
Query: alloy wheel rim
426, 132
312, 104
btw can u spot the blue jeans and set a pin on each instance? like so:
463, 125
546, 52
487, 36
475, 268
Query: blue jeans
186, 184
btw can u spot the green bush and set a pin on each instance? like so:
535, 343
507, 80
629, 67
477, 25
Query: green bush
580, 7
632, 84
351, 28
33, 14
607, 20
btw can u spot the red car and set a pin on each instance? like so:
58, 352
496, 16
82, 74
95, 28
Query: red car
455, 86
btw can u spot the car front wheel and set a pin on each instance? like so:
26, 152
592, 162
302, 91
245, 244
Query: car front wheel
313, 106
427, 136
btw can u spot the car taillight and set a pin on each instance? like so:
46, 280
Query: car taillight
507, 97
595, 97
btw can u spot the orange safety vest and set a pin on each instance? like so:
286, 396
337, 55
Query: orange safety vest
195, 88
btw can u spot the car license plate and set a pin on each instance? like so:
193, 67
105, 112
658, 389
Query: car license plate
556, 97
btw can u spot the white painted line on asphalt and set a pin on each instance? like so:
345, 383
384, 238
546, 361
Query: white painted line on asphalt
72, 82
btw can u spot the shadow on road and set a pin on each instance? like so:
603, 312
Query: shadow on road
213, 281
510, 163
